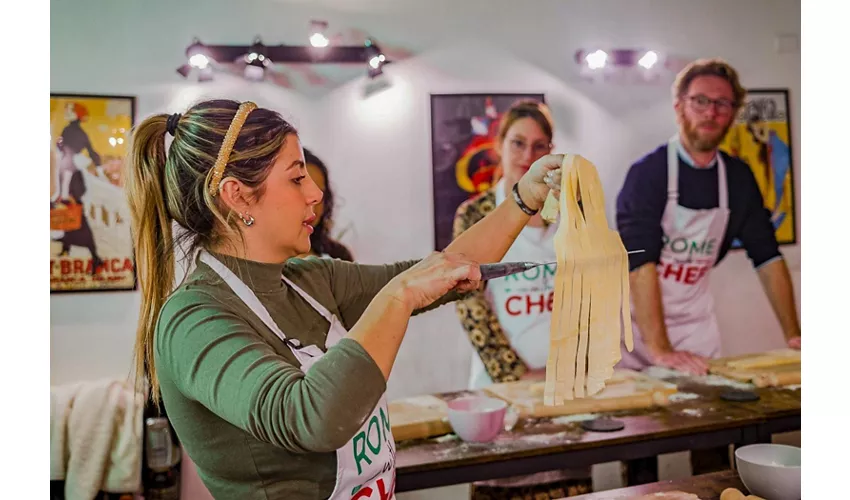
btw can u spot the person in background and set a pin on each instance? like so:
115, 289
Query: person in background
684, 203
273, 368
508, 321
72, 187
321, 242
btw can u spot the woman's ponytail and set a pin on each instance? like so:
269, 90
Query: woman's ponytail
152, 238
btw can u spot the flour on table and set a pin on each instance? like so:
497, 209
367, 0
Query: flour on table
546, 438
470, 449
446, 438
682, 396
718, 380
692, 412
579, 417
792, 387
715, 380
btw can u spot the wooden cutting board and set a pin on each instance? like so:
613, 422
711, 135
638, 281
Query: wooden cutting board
627, 390
767, 369
418, 417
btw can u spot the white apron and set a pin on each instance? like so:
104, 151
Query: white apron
366, 463
523, 302
691, 245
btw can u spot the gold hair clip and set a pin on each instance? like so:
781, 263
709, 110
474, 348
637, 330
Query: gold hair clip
227, 145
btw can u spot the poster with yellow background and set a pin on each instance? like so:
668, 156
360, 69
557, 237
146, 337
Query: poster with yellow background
761, 137
91, 245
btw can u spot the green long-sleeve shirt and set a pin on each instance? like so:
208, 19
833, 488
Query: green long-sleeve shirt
253, 423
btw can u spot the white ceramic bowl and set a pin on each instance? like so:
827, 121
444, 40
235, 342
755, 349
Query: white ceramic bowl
771, 471
477, 419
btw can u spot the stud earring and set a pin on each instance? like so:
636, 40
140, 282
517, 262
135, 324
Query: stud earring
247, 219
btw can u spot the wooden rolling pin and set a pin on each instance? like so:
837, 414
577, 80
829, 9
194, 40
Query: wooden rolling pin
776, 379
592, 405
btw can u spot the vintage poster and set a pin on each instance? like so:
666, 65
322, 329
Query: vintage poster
464, 161
761, 136
91, 247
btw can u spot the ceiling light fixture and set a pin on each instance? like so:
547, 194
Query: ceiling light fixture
258, 58
639, 66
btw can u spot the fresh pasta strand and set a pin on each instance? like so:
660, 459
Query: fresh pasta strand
591, 310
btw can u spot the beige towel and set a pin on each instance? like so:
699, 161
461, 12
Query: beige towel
124, 468
98, 440
61, 401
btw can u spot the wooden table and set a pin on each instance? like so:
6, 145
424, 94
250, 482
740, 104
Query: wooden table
705, 486
537, 445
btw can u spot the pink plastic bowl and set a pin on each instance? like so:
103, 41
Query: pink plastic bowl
477, 419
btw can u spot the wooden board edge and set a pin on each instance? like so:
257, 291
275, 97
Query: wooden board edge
421, 430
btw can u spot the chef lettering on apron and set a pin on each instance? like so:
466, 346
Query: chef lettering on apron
691, 243
366, 463
523, 302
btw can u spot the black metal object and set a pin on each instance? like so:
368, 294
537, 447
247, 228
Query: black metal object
282, 53
739, 396
294, 53
603, 424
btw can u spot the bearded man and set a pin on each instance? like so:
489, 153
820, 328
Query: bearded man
684, 203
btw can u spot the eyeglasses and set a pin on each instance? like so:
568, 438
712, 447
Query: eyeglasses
538, 148
701, 103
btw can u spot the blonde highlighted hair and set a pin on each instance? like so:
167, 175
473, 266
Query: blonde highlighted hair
173, 186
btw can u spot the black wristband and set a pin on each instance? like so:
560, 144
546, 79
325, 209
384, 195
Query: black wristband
521, 203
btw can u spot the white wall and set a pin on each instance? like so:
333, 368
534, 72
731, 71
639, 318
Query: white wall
382, 144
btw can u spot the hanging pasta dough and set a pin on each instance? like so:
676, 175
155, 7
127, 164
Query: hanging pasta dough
591, 307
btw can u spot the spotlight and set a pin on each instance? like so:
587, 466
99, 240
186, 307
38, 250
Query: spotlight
375, 58
257, 61
318, 38
198, 59
596, 60
649, 59
197, 54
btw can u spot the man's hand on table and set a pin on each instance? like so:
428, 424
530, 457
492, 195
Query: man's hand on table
683, 361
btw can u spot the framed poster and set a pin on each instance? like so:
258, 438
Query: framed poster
91, 248
464, 130
761, 136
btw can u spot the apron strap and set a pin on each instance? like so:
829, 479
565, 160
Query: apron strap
313, 302
723, 189
248, 297
673, 169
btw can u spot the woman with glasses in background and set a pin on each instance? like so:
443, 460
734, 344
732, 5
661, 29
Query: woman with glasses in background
508, 320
